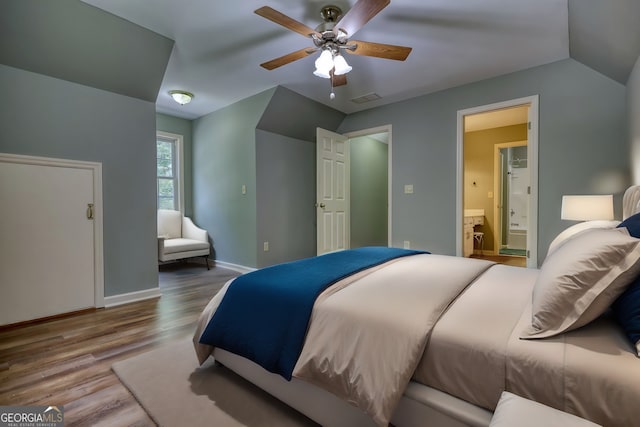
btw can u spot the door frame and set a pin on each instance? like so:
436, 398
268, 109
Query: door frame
497, 190
372, 131
96, 169
532, 155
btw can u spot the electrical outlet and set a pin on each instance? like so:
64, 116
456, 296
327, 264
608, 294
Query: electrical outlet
244, 189
265, 246
407, 244
408, 189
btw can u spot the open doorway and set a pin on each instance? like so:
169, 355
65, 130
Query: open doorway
369, 189
497, 182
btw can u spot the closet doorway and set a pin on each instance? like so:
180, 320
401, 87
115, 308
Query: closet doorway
51, 246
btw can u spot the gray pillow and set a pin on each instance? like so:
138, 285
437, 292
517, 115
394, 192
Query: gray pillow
581, 278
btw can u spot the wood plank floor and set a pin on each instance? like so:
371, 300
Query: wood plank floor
67, 361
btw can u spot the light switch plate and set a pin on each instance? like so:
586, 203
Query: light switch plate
408, 189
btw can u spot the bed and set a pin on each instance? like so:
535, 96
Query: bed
441, 345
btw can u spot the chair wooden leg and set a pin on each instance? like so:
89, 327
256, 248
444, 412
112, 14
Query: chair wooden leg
206, 261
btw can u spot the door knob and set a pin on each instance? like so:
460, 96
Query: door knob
322, 205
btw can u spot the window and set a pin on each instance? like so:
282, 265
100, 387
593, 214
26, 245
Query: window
169, 171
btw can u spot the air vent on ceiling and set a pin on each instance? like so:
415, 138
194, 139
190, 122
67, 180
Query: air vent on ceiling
366, 98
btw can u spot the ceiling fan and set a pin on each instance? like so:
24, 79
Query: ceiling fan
332, 37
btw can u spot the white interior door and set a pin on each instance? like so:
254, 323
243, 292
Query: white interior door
47, 251
332, 191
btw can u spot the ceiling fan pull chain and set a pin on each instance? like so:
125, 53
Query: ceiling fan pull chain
332, 95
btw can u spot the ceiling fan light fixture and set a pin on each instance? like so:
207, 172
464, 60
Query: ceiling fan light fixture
341, 66
181, 97
324, 63
322, 73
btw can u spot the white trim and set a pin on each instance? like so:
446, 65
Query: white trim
235, 267
120, 299
371, 131
96, 169
179, 141
532, 154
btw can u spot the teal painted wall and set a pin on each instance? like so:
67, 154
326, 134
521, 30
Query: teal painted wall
262, 142
224, 159
285, 189
55, 118
286, 175
582, 138
182, 127
369, 191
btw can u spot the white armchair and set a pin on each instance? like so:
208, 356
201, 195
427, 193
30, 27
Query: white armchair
179, 237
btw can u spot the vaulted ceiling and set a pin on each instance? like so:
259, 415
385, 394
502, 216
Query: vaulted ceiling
219, 46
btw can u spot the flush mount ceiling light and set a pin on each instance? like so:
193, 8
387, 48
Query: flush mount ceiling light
181, 97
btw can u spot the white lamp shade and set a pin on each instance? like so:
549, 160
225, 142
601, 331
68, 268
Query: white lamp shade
324, 63
321, 73
587, 208
341, 66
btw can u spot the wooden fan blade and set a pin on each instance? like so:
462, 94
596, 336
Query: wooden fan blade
282, 19
288, 58
360, 14
379, 50
338, 80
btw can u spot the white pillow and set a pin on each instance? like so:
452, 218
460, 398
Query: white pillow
580, 280
577, 228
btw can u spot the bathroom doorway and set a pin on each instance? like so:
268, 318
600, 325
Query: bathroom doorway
481, 182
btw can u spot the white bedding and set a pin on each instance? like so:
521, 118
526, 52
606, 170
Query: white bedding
366, 340
475, 353
466, 356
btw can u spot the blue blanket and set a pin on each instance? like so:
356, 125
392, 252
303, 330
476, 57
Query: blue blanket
264, 314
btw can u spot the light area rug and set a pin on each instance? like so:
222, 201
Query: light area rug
175, 391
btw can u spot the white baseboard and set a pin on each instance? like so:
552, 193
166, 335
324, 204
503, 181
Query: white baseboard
120, 299
235, 267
